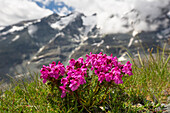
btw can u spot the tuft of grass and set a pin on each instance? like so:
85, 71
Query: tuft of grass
151, 78
150, 82
25, 96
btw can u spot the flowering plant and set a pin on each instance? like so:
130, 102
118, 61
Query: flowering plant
85, 82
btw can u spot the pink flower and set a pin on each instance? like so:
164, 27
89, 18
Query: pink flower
81, 60
44, 81
64, 81
52, 64
72, 62
44, 70
55, 72
63, 94
114, 61
74, 85
118, 79
82, 80
70, 67
109, 77
44, 74
127, 68
101, 77
52, 71
116, 71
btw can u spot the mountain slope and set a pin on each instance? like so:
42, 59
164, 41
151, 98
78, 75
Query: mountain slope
30, 44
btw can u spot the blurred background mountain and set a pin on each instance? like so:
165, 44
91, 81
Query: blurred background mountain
36, 32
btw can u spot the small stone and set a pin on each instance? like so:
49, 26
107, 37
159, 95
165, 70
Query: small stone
139, 105
166, 109
158, 109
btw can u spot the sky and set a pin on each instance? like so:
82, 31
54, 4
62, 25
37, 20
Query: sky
112, 15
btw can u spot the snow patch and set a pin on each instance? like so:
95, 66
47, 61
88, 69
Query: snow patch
98, 44
122, 57
159, 36
28, 24
107, 46
15, 38
1, 28
19, 28
28, 62
134, 33
41, 49
13, 29
59, 34
83, 38
76, 38
64, 21
168, 14
130, 42
94, 36
136, 41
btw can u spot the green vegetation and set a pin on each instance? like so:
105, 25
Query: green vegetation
149, 83
151, 76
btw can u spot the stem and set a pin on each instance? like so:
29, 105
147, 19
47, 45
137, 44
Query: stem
104, 94
96, 87
80, 102
78, 97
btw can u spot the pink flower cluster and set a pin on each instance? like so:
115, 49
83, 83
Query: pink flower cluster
76, 73
105, 67
108, 67
52, 71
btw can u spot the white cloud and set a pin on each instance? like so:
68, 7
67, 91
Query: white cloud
119, 9
63, 11
13, 11
112, 15
32, 29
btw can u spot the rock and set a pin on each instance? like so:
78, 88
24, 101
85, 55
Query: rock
166, 109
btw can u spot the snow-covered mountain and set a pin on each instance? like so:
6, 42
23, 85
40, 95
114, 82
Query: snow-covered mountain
30, 44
